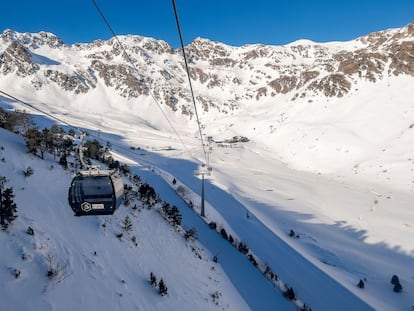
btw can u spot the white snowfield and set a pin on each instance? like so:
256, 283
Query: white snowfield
336, 172
351, 222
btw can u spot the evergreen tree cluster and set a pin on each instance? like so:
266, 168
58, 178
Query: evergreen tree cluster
144, 192
53, 140
270, 274
130, 194
112, 163
59, 143
395, 281
147, 194
162, 288
172, 214
13, 121
241, 246
216, 297
289, 293
94, 150
191, 234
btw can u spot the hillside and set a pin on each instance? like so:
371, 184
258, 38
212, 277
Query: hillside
289, 94
96, 269
328, 152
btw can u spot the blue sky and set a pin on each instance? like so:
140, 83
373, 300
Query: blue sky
234, 22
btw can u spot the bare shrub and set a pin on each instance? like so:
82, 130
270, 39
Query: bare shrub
58, 270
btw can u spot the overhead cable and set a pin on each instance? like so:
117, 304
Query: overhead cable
35, 108
133, 65
62, 121
188, 76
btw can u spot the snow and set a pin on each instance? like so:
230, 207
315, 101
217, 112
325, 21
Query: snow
98, 270
338, 172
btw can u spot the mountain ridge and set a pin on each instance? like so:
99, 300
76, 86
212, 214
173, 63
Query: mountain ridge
328, 152
289, 93
300, 69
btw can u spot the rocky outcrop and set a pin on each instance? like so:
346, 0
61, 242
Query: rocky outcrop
284, 84
121, 77
136, 66
17, 59
77, 82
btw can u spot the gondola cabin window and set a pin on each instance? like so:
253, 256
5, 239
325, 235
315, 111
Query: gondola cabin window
98, 193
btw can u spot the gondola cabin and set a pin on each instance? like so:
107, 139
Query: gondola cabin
95, 192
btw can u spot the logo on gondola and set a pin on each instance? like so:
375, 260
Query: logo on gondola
86, 207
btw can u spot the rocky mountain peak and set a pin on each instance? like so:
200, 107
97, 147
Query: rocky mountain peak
240, 74
33, 40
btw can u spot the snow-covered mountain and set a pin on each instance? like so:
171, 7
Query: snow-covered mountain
239, 74
329, 152
283, 89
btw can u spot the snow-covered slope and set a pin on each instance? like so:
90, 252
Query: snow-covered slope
329, 157
309, 102
96, 269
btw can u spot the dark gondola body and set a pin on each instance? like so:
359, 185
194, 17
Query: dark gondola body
95, 193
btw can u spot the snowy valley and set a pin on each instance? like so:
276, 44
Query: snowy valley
321, 191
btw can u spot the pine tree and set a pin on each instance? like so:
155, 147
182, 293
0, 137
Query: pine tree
166, 208
7, 207
396, 282
93, 149
163, 290
175, 216
191, 234
33, 139
153, 279
398, 288
243, 248
290, 293
224, 234
147, 193
212, 225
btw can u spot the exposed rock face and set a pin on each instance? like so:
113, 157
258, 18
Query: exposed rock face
333, 85
402, 58
121, 77
142, 66
76, 82
17, 59
284, 84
